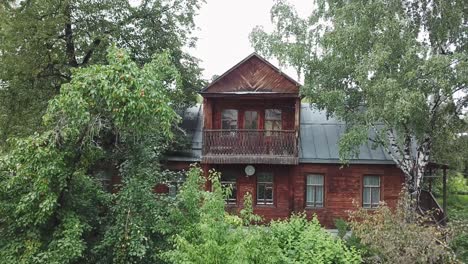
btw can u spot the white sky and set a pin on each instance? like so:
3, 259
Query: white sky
224, 28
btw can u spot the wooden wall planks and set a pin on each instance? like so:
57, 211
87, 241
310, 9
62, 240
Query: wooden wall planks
254, 74
342, 186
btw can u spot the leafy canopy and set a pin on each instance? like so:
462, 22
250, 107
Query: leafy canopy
42, 41
394, 70
52, 208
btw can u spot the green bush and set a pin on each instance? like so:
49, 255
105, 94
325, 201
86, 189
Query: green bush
303, 241
213, 236
342, 227
400, 236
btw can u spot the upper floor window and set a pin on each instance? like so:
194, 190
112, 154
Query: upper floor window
273, 119
250, 120
229, 119
314, 190
264, 188
229, 179
371, 192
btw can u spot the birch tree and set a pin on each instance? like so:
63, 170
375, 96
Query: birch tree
395, 70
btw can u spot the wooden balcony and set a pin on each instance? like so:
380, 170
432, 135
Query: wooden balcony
249, 146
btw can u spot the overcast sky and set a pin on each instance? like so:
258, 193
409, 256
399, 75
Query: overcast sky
224, 27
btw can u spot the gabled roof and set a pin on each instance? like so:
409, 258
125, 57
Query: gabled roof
254, 74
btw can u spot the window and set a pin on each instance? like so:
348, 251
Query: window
105, 178
229, 119
177, 179
250, 120
264, 188
272, 119
371, 192
229, 179
314, 190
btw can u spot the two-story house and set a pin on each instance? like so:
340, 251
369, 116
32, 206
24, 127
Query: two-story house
253, 128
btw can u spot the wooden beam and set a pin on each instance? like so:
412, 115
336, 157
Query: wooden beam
207, 114
297, 121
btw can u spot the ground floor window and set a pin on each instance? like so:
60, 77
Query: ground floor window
264, 188
229, 179
314, 190
371, 192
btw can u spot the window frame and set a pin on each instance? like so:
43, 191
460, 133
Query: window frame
273, 120
230, 201
315, 186
371, 205
222, 119
264, 201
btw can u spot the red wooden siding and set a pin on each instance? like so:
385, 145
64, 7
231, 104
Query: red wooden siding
341, 187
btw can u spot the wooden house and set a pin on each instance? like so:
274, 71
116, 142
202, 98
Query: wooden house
253, 128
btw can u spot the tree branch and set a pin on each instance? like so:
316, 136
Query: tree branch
70, 45
88, 55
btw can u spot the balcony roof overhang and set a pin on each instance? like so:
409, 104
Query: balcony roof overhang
250, 94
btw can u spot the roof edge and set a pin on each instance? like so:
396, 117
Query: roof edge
253, 54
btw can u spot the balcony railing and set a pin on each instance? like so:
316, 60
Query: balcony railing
249, 146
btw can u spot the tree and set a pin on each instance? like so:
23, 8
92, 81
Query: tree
395, 70
41, 42
52, 209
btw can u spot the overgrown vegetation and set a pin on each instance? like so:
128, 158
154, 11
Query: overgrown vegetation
400, 236
213, 236
52, 208
43, 41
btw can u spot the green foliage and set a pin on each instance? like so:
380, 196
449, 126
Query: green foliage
138, 228
342, 227
52, 208
400, 236
42, 41
459, 224
211, 236
394, 68
303, 241
246, 213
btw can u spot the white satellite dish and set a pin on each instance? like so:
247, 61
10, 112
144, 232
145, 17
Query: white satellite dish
249, 170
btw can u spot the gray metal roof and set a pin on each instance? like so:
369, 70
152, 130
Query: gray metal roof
318, 139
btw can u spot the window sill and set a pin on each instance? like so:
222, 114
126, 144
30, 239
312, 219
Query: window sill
309, 208
265, 206
370, 208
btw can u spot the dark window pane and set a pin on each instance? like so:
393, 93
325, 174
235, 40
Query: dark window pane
272, 120
229, 119
314, 190
371, 191
229, 180
250, 120
265, 192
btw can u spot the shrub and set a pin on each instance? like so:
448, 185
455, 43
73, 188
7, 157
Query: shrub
303, 241
402, 236
213, 236
342, 227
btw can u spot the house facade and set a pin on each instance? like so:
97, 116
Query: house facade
253, 128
